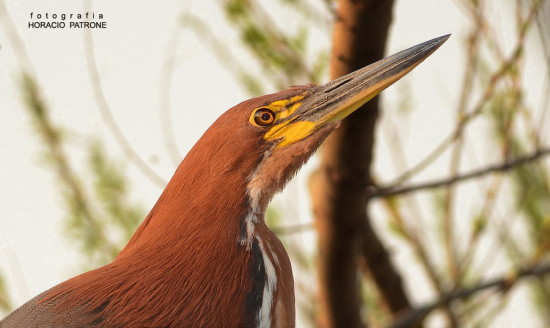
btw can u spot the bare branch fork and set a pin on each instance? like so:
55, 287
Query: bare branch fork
501, 167
503, 283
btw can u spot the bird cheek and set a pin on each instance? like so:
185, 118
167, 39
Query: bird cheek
291, 133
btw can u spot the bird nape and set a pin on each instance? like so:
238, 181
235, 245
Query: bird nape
204, 257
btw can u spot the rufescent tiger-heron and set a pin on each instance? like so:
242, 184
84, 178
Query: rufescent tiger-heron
204, 257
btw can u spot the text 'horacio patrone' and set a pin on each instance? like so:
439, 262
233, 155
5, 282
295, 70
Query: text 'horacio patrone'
59, 21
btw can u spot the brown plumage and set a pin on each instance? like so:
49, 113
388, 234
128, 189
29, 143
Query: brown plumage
204, 257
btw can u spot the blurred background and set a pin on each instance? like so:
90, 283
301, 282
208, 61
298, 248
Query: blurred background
441, 217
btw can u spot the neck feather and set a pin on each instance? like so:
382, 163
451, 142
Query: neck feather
208, 192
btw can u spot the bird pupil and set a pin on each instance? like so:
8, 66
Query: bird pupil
264, 117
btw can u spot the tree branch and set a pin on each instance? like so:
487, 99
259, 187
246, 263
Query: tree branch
488, 93
502, 283
507, 165
347, 241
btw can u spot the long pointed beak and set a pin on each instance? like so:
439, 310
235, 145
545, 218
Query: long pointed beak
335, 100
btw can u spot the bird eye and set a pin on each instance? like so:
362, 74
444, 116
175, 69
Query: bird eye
264, 117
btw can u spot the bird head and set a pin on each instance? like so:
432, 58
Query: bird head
280, 131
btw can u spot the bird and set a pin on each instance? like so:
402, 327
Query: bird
204, 256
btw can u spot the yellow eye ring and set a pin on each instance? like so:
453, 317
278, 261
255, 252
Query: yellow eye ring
264, 117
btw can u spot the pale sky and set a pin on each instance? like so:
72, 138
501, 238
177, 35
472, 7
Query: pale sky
34, 253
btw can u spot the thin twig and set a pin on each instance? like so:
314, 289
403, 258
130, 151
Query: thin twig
399, 216
223, 54
390, 191
166, 78
417, 243
457, 152
487, 94
502, 283
507, 165
280, 40
543, 24
107, 114
16, 41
